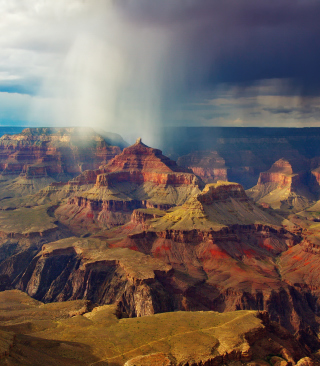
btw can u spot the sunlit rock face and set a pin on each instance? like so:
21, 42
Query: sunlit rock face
281, 173
39, 333
140, 177
217, 251
284, 186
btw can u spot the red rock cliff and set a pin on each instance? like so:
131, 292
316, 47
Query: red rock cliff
208, 165
282, 173
51, 151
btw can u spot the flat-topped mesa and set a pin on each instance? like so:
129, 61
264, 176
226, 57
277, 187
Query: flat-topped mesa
221, 191
281, 173
219, 206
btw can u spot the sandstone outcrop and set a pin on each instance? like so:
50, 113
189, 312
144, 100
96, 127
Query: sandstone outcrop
209, 166
37, 157
73, 269
224, 249
140, 177
283, 187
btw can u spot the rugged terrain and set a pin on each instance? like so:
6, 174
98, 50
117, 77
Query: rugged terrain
218, 251
139, 235
36, 157
246, 151
140, 177
72, 333
284, 187
206, 164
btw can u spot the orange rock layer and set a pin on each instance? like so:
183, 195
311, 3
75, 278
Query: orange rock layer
208, 165
40, 152
281, 173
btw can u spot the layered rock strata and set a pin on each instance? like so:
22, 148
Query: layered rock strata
86, 269
53, 151
218, 251
283, 187
140, 177
207, 165
224, 251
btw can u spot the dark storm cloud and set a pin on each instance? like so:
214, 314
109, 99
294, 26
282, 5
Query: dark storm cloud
134, 65
279, 110
238, 41
301, 112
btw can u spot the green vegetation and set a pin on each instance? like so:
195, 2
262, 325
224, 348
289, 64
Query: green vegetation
26, 220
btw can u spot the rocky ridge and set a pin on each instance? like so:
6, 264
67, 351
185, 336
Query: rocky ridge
73, 268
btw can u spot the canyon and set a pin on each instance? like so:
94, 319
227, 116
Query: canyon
36, 157
128, 235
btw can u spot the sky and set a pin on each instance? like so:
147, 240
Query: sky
132, 66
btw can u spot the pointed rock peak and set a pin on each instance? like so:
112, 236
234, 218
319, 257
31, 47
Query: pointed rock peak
142, 157
139, 144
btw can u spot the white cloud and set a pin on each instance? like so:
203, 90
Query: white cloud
95, 67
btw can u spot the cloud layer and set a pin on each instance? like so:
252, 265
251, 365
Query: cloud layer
132, 66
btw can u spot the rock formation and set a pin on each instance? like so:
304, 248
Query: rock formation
209, 166
143, 235
75, 268
283, 187
224, 250
37, 157
218, 251
246, 151
140, 177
